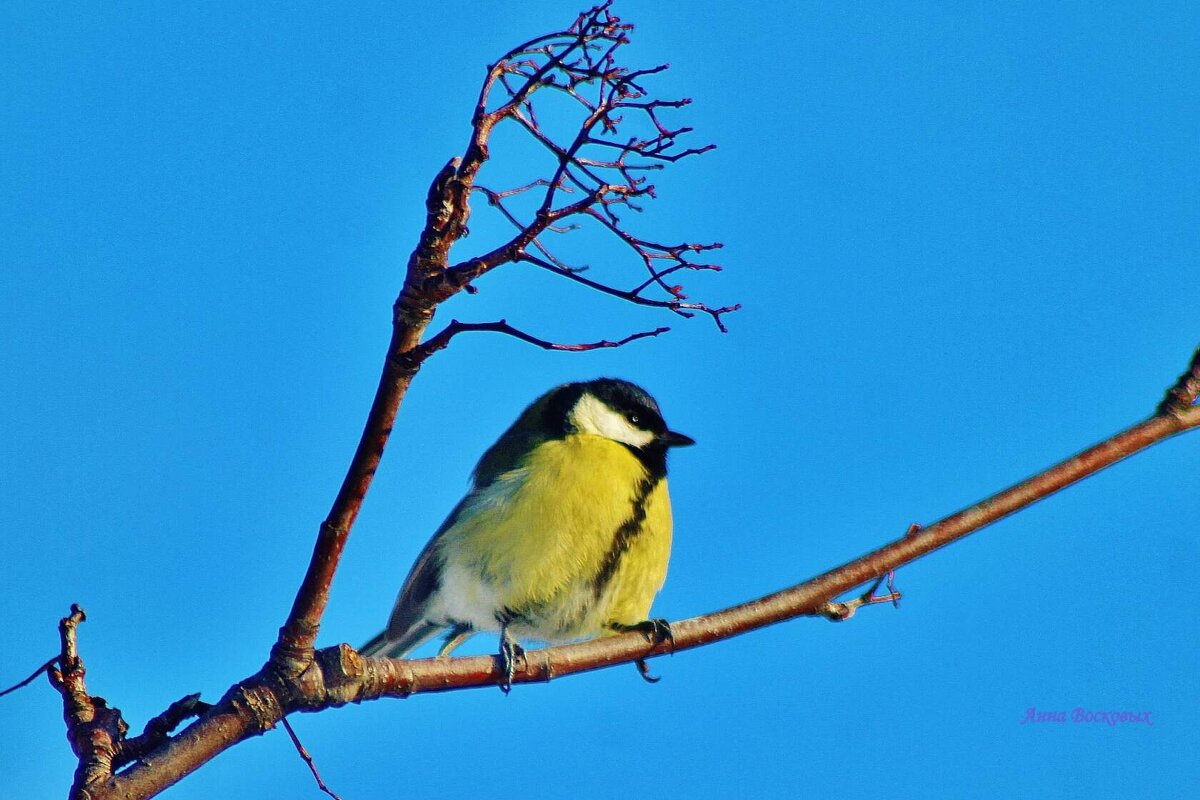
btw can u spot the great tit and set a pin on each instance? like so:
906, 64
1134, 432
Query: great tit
564, 534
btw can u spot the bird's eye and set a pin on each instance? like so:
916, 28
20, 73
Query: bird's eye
634, 419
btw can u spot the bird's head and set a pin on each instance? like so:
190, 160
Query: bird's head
609, 407
617, 410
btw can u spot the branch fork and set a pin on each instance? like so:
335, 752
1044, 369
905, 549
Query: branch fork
97, 731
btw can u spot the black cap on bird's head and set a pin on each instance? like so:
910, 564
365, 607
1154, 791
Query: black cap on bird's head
617, 410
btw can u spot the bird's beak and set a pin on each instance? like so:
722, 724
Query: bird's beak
673, 439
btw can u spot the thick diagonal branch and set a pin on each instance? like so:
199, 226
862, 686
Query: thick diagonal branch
396, 678
339, 675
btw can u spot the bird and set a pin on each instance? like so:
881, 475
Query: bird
564, 534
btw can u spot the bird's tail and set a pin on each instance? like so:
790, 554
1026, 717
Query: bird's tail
384, 646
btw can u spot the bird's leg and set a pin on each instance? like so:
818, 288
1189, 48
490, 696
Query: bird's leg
510, 651
656, 631
457, 635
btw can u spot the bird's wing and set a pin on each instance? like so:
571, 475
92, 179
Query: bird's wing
407, 628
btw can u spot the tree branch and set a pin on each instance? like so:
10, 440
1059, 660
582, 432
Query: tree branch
381, 677
159, 728
339, 675
308, 759
633, 295
570, 60
94, 730
33, 676
442, 340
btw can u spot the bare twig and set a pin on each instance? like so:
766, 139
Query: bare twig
308, 759
568, 62
49, 663
1185, 391
496, 199
633, 296
442, 339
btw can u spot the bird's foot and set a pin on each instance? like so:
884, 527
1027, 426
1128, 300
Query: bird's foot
510, 651
656, 632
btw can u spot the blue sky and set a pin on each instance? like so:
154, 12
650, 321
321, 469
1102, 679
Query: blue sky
966, 243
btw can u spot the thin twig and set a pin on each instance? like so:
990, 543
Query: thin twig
440, 340
679, 307
584, 55
94, 729
49, 663
308, 759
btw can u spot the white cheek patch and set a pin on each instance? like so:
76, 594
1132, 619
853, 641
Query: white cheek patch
590, 415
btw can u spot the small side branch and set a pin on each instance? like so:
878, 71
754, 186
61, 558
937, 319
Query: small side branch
44, 667
676, 304
308, 759
1185, 391
621, 136
159, 728
442, 339
95, 730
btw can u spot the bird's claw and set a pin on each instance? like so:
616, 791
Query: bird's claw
656, 632
510, 651
644, 670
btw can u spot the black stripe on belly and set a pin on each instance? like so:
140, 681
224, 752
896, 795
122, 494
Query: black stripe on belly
626, 533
